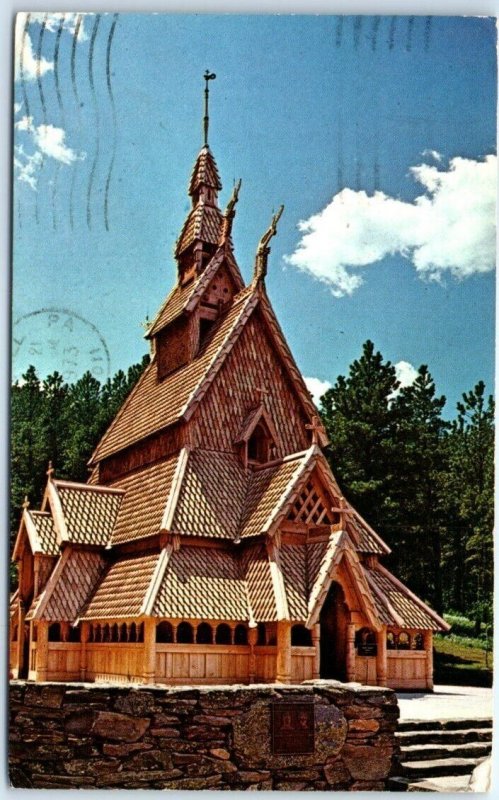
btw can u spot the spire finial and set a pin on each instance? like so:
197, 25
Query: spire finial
230, 213
208, 76
315, 426
50, 471
263, 250
26, 502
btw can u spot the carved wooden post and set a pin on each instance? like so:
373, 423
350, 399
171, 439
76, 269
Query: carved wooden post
19, 652
84, 637
350, 654
149, 673
64, 631
316, 641
252, 640
283, 671
381, 658
428, 646
42, 650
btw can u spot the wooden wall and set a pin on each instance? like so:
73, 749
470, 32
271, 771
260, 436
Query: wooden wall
252, 363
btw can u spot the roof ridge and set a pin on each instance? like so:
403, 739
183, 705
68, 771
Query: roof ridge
86, 487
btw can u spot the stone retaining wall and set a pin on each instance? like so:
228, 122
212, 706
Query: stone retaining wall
108, 736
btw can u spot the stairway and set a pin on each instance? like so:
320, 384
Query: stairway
439, 756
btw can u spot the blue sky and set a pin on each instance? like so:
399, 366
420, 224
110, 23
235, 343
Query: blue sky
373, 131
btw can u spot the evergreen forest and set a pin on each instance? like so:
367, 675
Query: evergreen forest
424, 483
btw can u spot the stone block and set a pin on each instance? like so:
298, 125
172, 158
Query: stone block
366, 762
119, 727
220, 752
137, 702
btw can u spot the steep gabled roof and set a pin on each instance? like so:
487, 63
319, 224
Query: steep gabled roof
153, 405
83, 514
398, 606
341, 554
204, 223
185, 298
39, 527
69, 587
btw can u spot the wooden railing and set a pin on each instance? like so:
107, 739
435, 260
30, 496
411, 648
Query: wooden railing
365, 670
63, 661
198, 663
406, 668
302, 663
114, 662
265, 657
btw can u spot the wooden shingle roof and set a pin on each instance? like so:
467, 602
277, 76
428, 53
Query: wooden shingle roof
398, 606
203, 223
146, 493
69, 587
89, 512
205, 171
153, 405
256, 567
122, 590
202, 583
212, 495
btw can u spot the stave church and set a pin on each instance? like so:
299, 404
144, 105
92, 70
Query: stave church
212, 543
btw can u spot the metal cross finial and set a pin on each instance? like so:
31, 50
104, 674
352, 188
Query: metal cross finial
208, 76
315, 426
50, 471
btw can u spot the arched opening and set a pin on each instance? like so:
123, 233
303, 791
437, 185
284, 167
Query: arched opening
140, 632
404, 642
365, 642
241, 635
300, 636
74, 633
391, 641
106, 636
132, 637
334, 619
259, 445
204, 634
115, 633
223, 634
54, 634
418, 641
185, 634
261, 637
164, 633
123, 633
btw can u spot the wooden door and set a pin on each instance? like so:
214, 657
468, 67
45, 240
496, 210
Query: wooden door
334, 619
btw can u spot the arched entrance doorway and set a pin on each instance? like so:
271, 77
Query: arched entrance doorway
334, 619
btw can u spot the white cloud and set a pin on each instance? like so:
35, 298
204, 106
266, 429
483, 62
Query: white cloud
317, 388
450, 228
432, 154
32, 67
17, 107
50, 142
406, 374
26, 166
25, 56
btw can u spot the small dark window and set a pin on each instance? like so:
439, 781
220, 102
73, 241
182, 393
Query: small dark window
300, 636
259, 445
262, 634
204, 634
74, 633
205, 326
164, 633
241, 635
55, 632
223, 634
185, 634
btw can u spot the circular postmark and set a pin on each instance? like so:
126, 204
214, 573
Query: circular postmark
58, 339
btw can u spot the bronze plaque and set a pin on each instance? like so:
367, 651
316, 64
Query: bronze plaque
293, 728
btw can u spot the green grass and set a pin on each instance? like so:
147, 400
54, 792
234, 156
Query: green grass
461, 661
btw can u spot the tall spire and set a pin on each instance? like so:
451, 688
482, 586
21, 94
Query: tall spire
208, 76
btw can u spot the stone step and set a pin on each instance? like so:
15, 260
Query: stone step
445, 724
433, 768
440, 736
446, 783
420, 752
